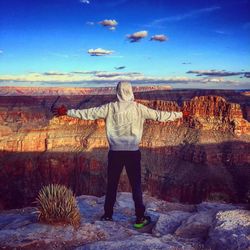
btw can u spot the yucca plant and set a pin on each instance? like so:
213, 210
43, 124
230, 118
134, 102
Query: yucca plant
57, 204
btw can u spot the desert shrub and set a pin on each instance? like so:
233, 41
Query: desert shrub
57, 204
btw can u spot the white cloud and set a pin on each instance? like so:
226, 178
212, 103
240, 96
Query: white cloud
215, 80
54, 73
221, 32
217, 73
109, 23
191, 14
90, 23
137, 36
159, 38
99, 52
85, 1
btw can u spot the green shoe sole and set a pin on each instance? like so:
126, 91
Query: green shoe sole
141, 225
138, 226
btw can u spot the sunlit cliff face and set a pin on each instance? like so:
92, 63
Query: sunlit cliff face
203, 157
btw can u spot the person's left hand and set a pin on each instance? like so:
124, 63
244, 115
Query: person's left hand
60, 111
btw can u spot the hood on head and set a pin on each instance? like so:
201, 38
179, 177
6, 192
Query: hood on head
124, 92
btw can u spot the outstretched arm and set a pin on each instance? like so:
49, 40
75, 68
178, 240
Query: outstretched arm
90, 113
84, 114
161, 116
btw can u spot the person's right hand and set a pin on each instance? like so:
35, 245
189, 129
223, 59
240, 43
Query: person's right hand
185, 114
60, 111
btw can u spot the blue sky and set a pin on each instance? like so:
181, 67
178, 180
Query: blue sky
55, 43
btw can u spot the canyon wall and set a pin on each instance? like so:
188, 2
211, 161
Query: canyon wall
205, 157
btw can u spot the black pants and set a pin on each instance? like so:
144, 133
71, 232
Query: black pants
132, 162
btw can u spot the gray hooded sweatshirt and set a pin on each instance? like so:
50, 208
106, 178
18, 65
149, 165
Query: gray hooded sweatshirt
124, 118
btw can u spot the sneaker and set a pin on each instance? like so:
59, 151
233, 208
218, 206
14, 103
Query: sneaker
142, 221
106, 218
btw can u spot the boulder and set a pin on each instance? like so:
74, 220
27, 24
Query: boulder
169, 222
196, 226
231, 231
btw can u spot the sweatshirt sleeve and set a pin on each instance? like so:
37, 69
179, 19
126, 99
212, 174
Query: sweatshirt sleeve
161, 116
89, 114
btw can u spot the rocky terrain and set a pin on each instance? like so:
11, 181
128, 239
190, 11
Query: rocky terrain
203, 158
204, 226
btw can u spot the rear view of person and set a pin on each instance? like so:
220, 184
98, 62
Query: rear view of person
124, 126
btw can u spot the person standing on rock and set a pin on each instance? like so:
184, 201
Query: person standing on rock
124, 126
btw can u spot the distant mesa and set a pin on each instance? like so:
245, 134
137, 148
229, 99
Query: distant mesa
55, 91
137, 36
159, 38
111, 24
115, 74
99, 52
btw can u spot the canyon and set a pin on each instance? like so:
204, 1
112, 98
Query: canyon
202, 158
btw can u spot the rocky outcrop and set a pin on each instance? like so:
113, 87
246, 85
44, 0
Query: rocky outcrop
207, 226
202, 158
215, 113
207, 113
